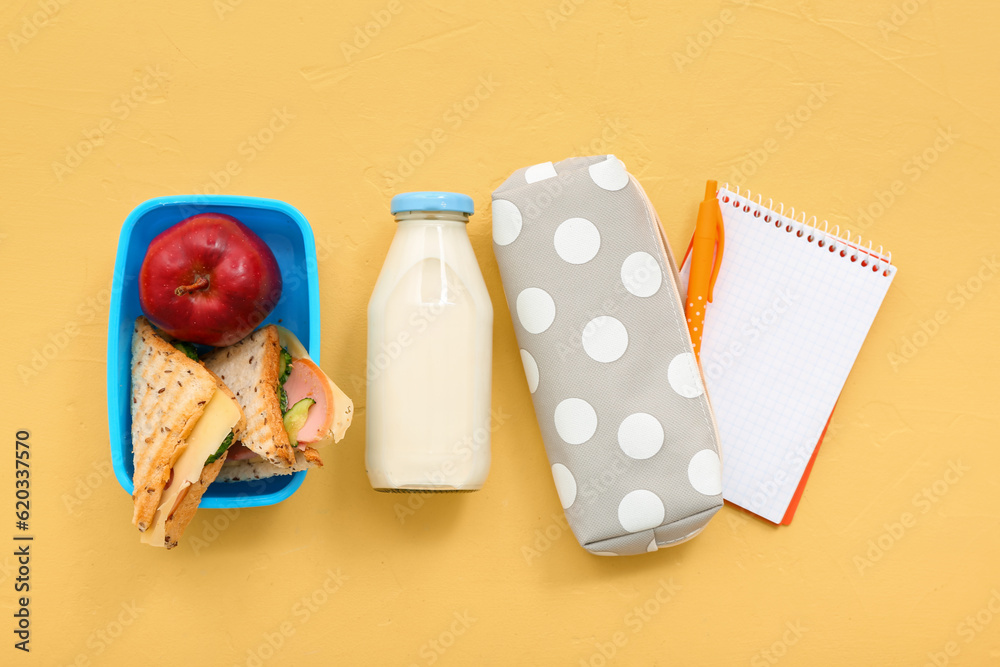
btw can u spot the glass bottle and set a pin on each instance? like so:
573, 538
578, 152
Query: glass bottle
430, 342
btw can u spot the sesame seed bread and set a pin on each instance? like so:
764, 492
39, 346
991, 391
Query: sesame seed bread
184, 512
250, 369
251, 469
169, 395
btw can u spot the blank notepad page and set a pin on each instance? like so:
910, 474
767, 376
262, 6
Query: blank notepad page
787, 321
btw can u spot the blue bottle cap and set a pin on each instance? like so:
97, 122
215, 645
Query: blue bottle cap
431, 201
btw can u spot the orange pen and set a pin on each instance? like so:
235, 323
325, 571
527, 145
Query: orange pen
706, 258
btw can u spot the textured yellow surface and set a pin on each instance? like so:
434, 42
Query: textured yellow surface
877, 116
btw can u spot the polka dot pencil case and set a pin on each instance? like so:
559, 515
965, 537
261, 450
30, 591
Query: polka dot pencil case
592, 289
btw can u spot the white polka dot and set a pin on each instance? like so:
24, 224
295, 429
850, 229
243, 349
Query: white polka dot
640, 435
604, 553
609, 174
530, 370
535, 309
565, 484
705, 473
640, 510
506, 222
684, 376
605, 339
641, 274
576, 421
652, 545
577, 240
539, 172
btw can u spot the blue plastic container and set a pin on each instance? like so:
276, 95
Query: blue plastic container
288, 234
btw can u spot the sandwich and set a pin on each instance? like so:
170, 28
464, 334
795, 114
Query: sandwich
292, 407
184, 419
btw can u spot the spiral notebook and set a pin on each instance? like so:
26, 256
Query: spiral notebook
793, 303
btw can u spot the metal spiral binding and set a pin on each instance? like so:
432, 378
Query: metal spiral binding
832, 242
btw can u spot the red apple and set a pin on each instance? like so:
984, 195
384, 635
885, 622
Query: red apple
209, 279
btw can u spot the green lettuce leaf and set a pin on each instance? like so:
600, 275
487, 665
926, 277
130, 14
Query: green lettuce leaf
222, 448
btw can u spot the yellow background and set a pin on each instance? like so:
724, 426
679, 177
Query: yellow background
681, 95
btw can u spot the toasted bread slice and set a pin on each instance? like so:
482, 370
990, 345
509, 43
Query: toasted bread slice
156, 362
169, 394
241, 471
184, 512
250, 368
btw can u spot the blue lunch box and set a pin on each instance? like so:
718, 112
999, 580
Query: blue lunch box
286, 231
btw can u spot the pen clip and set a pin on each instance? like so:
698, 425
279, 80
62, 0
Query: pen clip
721, 243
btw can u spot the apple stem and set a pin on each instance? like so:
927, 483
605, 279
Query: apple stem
199, 284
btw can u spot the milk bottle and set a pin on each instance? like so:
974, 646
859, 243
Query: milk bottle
430, 341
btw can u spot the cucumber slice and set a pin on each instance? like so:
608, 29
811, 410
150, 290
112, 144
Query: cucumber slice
295, 419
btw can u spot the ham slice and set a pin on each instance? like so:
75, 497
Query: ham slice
238, 452
307, 381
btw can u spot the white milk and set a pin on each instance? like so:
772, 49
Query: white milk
430, 341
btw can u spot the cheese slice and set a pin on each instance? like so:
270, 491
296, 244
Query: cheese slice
221, 415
